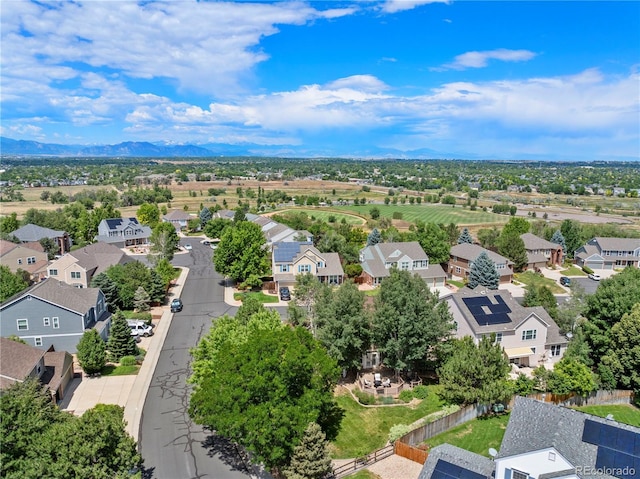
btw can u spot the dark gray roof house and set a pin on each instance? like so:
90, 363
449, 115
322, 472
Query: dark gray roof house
54, 314
545, 441
609, 253
462, 256
29, 233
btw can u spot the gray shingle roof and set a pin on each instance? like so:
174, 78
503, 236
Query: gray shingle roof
374, 257
79, 300
470, 252
460, 457
533, 242
97, 257
17, 360
332, 265
35, 233
178, 215
618, 244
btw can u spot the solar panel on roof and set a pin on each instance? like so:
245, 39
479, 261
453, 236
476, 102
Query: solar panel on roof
498, 313
617, 447
447, 470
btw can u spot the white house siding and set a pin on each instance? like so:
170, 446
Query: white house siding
531, 323
535, 463
463, 328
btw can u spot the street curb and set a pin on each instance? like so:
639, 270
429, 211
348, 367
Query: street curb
135, 402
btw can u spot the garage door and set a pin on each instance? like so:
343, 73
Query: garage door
594, 265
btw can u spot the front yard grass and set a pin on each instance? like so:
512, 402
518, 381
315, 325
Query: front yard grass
477, 435
365, 429
573, 270
624, 413
113, 370
364, 474
530, 278
263, 298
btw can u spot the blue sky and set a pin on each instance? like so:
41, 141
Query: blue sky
511, 80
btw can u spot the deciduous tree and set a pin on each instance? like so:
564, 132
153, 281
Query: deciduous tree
241, 252
511, 245
434, 241
164, 241
541, 296
10, 283
148, 214
91, 352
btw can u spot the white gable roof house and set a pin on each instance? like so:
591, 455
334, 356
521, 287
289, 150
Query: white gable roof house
291, 258
123, 232
545, 441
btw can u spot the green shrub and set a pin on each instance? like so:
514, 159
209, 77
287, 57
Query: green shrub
141, 315
365, 398
406, 395
587, 270
128, 361
387, 400
397, 431
421, 392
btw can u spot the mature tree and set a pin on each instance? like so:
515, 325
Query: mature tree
342, 324
205, 216
141, 300
166, 271
263, 393
374, 212
483, 272
572, 232
215, 227
121, 342
465, 237
241, 252
409, 323
9, 223
434, 241
452, 231
558, 238
516, 225
541, 296
164, 242
148, 214
311, 459
50, 246
331, 242
475, 374
374, 237
569, 376
623, 357
10, 283
108, 287
570, 310
128, 277
488, 237
240, 215
91, 352
306, 291
511, 245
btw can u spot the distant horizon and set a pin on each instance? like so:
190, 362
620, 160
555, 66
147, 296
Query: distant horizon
539, 81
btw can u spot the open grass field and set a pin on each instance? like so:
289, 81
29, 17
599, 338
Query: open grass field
324, 215
624, 413
365, 429
477, 435
431, 214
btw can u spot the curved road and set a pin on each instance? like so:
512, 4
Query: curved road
172, 446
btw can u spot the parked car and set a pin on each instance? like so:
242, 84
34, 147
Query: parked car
594, 276
285, 294
176, 305
206, 242
564, 281
139, 328
188, 247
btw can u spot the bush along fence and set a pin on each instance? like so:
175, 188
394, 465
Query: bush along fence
409, 441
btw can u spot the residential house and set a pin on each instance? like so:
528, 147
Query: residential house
609, 253
178, 218
54, 314
462, 256
291, 258
377, 261
32, 233
123, 232
20, 361
545, 441
541, 252
273, 231
80, 266
30, 257
529, 336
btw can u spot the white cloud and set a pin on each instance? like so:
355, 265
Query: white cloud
393, 6
481, 59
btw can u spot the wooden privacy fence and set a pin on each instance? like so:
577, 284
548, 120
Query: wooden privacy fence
410, 452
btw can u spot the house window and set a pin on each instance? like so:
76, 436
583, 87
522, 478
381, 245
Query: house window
31, 260
75, 275
304, 268
46, 321
498, 337
404, 265
23, 324
53, 272
519, 475
320, 264
38, 341
56, 323
19, 260
458, 269
555, 350
529, 334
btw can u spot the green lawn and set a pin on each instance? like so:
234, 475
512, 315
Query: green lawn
112, 370
476, 436
459, 284
432, 213
263, 298
364, 474
573, 271
366, 429
324, 214
530, 278
624, 413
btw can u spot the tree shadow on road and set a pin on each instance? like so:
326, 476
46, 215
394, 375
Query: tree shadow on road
226, 451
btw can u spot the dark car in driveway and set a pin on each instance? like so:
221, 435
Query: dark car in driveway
176, 305
565, 281
285, 294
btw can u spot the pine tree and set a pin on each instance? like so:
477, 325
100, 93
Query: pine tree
465, 237
205, 215
558, 238
310, 458
141, 300
374, 237
91, 352
121, 342
483, 272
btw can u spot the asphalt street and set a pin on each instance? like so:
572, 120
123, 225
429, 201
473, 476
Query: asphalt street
173, 447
